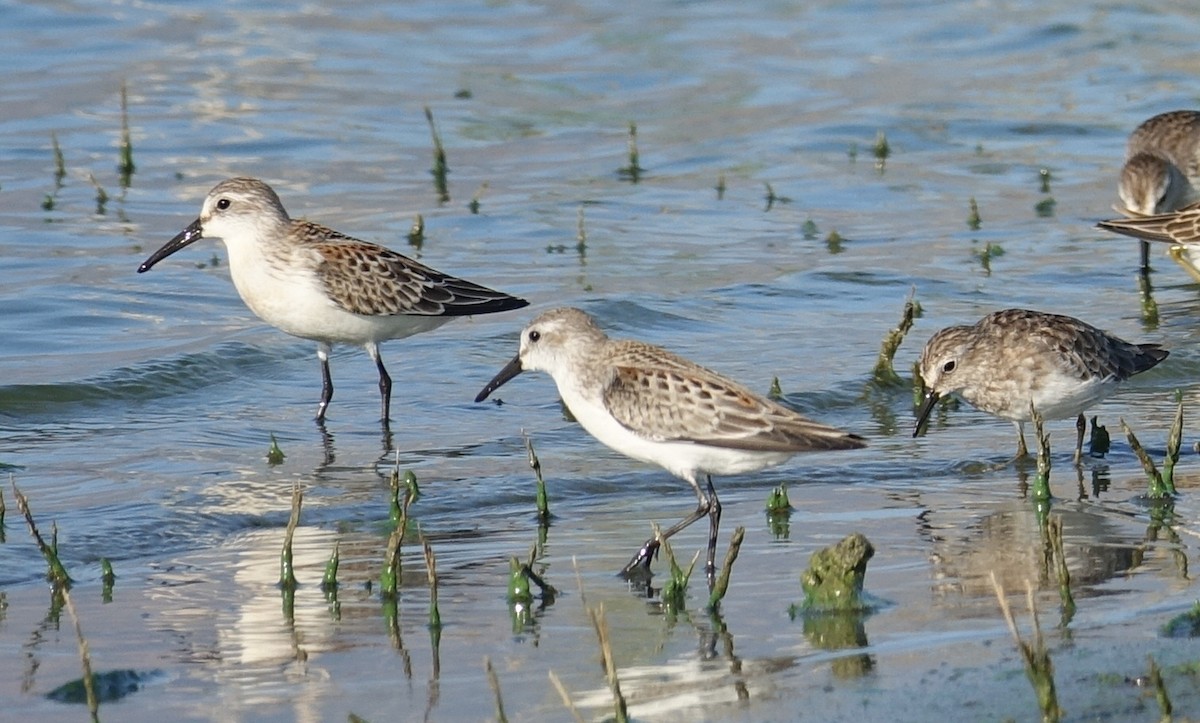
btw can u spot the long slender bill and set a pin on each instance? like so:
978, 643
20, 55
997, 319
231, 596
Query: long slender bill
193, 232
509, 371
930, 401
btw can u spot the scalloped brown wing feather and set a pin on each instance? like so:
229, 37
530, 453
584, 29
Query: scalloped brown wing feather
372, 280
665, 397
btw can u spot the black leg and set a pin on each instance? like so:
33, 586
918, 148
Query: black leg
385, 388
714, 522
639, 566
1080, 430
326, 386
1145, 254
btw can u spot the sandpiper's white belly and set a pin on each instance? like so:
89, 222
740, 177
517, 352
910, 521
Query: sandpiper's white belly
683, 459
1056, 396
286, 292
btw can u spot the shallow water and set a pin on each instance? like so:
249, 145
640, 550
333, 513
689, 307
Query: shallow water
136, 410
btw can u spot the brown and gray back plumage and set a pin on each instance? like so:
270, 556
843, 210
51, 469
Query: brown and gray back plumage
1162, 164
1177, 227
1174, 135
1075, 345
364, 278
1012, 357
664, 397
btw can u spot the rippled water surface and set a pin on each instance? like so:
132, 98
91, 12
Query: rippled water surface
136, 410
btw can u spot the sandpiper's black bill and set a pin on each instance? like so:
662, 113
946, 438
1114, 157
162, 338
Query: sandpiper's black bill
509, 371
192, 233
930, 401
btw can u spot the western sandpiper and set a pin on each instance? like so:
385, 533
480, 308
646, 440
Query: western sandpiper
1179, 228
1162, 167
316, 283
1012, 358
656, 407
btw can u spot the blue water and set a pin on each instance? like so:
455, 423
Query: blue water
136, 410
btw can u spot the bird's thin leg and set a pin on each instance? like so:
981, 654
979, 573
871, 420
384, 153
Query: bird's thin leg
1080, 430
385, 382
326, 381
714, 522
639, 566
1145, 254
1022, 450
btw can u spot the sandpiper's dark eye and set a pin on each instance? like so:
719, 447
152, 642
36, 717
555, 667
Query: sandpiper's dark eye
223, 204
535, 335
948, 367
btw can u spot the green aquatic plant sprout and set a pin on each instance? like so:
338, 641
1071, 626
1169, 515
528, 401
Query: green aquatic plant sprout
1174, 443
275, 455
882, 149
101, 195
720, 187
884, 372
440, 169
1157, 489
60, 162
56, 574
1041, 481
405, 491
775, 393
520, 591
1184, 625
107, 578
412, 490
632, 172
1044, 176
773, 198
125, 167
986, 254
329, 581
543, 500
717, 594
416, 233
973, 219
674, 590
580, 236
777, 501
834, 242
389, 577
473, 206
809, 229
435, 615
287, 572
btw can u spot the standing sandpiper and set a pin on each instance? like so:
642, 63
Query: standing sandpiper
654, 406
1161, 171
1013, 358
316, 283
